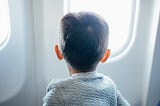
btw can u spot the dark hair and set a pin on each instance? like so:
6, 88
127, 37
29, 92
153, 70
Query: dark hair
84, 39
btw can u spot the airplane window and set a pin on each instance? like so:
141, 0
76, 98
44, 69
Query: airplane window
4, 22
118, 14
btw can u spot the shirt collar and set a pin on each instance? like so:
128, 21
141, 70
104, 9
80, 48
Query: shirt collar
84, 74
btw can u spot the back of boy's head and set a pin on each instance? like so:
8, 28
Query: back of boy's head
84, 40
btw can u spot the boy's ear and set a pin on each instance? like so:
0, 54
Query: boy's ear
58, 53
106, 55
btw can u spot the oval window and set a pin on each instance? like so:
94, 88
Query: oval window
4, 22
118, 14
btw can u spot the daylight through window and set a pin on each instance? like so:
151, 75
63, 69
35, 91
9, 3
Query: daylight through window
116, 12
4, 22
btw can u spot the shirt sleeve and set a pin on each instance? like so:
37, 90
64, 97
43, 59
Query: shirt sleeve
121, 101
53, 97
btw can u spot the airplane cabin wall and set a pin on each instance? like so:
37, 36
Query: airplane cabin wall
17, 77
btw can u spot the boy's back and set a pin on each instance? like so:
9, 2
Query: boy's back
84, 89
84, 43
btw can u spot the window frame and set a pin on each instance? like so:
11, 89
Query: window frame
7, 36
131, 36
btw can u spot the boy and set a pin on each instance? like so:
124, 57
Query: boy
83, 45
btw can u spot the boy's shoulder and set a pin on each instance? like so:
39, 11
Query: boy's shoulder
58, 83
107, 79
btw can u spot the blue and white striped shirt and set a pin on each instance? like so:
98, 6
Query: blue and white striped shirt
84, 89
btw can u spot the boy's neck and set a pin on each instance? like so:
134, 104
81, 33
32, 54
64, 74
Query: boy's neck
73, 71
